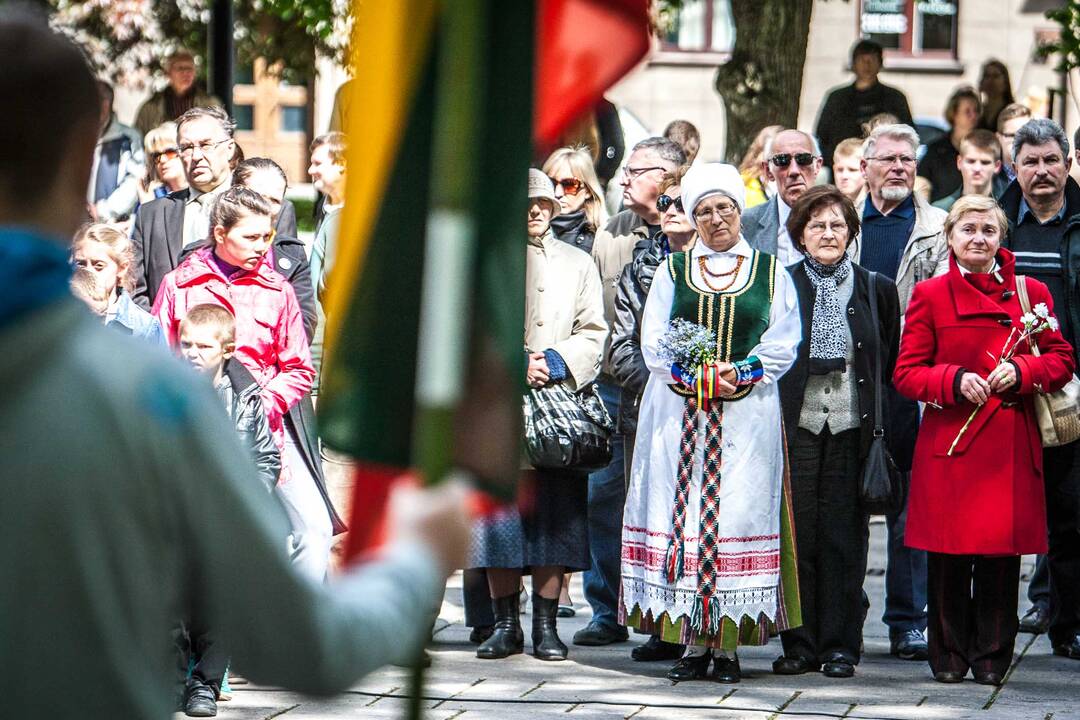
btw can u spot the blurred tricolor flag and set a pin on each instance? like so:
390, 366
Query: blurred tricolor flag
424, 363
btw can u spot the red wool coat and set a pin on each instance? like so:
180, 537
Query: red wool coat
987, 498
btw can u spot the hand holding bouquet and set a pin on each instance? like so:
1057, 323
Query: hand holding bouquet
691, 350
1032, 323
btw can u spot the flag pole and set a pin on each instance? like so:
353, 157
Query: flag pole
449, 247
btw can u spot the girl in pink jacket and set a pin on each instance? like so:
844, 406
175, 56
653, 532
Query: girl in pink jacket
270, 343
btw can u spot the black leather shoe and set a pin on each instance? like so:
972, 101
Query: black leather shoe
987, 678
1036, 620
506, 637
784, 665
545, 636
200, 701
695, 667
838, 666
480, 633
948, 676
1070, 649
657, 649
595, 634
909, 646
726, 670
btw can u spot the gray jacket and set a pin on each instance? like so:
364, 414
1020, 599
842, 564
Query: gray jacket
926, 254
761, 226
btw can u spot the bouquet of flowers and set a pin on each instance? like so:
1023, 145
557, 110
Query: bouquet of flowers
1033, 323
687, 345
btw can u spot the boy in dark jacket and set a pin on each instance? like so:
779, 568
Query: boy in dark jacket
207, 341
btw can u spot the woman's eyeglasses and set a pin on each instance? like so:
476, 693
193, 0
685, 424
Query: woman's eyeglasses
166, 154
665, 201
570, 186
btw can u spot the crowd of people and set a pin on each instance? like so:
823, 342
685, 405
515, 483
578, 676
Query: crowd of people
879, 307
838, 315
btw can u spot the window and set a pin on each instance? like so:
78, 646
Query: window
293, 119
918, 29
700, 26
244, 115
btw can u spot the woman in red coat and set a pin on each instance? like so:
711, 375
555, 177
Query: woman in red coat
978, 508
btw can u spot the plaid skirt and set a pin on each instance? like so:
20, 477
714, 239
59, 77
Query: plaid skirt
548, 525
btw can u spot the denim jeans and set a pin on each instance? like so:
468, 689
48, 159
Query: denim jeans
1039, 588
905, 579
607, 493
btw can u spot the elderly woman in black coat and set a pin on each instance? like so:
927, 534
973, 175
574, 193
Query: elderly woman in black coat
828, 404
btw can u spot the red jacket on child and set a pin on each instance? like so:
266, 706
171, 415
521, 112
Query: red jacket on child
270, 338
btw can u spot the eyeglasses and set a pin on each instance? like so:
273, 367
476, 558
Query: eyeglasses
802, 159
168, 154
665, 201
570, 186
186, 151
724, 210
905, 160
633, 173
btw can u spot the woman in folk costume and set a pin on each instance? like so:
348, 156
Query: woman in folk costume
708, 555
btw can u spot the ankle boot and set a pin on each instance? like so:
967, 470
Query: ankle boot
506, 636
545, 638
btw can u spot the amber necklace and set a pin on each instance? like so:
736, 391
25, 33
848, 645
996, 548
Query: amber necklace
706, 273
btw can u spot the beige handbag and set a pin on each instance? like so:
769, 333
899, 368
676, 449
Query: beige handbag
1058, 413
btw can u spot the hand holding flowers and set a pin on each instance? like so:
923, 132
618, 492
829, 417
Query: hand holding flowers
691, 350
977, 390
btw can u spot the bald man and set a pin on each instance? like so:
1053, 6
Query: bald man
793, 162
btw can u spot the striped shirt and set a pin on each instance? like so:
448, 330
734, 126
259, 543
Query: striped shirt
1037, 247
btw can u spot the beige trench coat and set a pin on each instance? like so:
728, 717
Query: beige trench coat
564, 308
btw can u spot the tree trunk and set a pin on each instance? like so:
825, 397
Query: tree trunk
761, 83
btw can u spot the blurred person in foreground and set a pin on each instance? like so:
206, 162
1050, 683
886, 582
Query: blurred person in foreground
123, 502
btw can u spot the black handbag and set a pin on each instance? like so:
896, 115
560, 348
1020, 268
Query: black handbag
882, 490
565, 430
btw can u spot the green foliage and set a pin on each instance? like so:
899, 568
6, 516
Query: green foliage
1067, 47
127, 39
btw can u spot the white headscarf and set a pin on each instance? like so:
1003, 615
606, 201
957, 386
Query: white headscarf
708, 179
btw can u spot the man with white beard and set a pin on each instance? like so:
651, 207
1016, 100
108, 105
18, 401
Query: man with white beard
901, 238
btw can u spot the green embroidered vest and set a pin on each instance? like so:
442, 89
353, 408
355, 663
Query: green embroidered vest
738, 319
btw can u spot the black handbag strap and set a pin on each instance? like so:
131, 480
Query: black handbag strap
875, 324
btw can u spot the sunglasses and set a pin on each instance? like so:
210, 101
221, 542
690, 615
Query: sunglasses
570, 186
665, 201
167, 153
784, 159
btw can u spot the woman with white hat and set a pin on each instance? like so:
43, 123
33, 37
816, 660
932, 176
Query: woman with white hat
708, 556
546, 535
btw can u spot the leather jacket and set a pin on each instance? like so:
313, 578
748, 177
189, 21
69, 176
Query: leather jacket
241, 397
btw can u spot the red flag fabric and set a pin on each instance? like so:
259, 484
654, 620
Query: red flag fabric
583, 48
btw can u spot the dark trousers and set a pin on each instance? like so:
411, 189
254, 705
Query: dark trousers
905, 578
476, 597
607, 494
200, 650
1061, 473
1039, 587
972, 617
830, 530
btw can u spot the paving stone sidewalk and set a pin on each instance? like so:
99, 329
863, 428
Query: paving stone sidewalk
605, 683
